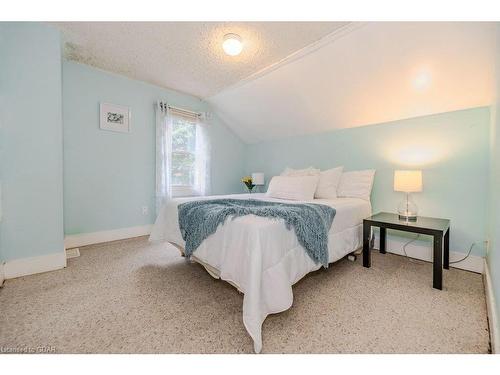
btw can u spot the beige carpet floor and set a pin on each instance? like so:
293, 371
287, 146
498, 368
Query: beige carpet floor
134, 297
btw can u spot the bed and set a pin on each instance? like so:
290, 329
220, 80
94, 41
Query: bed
260, 257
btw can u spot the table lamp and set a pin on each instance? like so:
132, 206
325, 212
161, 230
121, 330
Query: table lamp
258, 179
408, 182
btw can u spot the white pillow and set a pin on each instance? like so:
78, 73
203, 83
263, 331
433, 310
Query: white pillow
328, 183
300, 172
356, 184
300, 188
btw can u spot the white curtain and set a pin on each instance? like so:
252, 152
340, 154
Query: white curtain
163, 153
202, 158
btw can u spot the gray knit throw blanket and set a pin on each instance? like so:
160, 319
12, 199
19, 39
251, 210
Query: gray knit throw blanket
311, 222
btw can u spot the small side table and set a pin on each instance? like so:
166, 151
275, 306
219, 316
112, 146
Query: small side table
438, 228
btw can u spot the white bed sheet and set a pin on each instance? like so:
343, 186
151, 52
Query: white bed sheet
260, 256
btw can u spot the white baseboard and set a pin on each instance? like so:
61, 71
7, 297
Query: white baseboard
492, 311
51, 262
29, 266
84, 239
423, 251
2, 274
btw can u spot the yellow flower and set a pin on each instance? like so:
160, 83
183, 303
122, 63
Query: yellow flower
247, 179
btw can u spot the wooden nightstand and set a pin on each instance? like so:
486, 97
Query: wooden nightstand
438, 228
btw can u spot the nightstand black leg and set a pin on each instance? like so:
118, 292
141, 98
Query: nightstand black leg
383, 236
446, 260
437, 272
367, 261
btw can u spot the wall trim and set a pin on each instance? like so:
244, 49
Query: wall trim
84, 239
29, 266
327, 39
2, 274
492, 311
419, 251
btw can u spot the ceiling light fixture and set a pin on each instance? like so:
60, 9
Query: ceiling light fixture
232, 44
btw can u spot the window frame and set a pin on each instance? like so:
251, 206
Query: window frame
179, 191
183, 190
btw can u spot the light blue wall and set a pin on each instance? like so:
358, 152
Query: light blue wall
450, 148
109, 176
30, 140
494, 217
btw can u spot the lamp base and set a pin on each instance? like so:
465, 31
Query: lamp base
407, 209
407, 218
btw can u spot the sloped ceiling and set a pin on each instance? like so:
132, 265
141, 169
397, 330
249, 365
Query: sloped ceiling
371, 73
186, 56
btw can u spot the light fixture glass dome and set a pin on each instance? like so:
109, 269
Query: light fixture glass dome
232, 44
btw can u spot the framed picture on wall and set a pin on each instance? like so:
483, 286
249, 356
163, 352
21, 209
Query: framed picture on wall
115, 117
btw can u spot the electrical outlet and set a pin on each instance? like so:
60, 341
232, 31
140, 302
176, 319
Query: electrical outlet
487, 245
145, 210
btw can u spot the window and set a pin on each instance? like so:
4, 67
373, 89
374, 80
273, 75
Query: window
183, 156
183, 153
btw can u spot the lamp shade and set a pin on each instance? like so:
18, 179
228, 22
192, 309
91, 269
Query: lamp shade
258, 178
408, 181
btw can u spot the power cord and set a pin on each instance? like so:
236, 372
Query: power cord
465, 257
422, 262
406, 255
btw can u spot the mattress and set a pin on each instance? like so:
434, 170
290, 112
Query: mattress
260, 256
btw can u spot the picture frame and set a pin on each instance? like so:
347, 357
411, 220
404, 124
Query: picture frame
114, 117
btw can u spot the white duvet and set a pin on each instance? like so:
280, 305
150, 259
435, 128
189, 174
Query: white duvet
260, 256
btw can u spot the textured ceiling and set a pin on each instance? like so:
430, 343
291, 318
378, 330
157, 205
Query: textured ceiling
374, 73
187, 56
